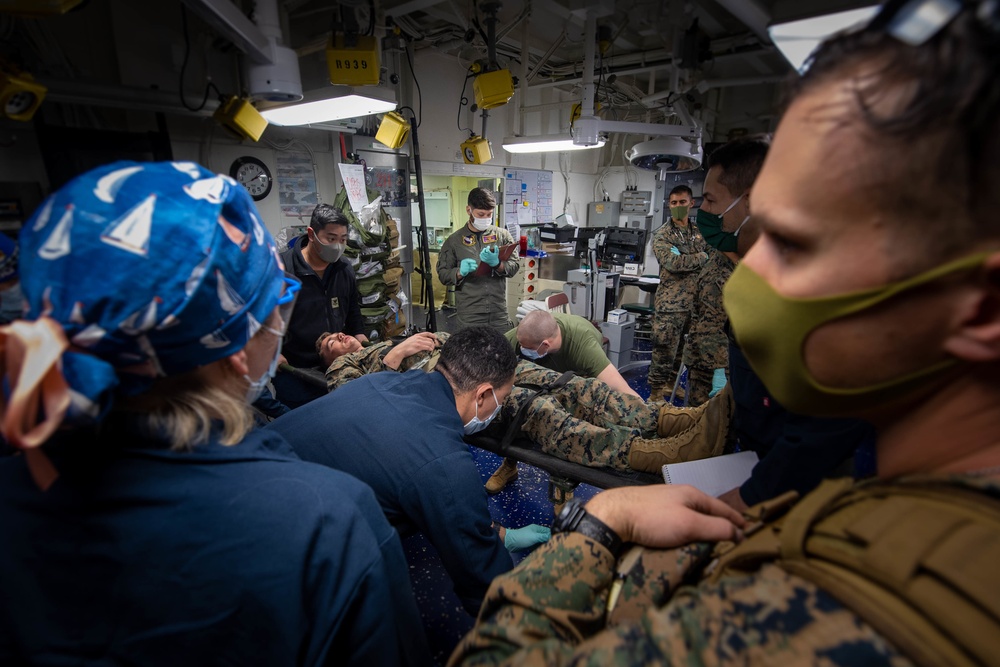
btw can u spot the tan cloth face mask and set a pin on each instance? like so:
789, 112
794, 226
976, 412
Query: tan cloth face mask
771, 330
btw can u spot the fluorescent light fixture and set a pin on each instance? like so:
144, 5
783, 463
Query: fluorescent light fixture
330, 103
551, 143
798, 39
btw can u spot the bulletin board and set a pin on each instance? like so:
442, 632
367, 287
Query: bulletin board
527, 198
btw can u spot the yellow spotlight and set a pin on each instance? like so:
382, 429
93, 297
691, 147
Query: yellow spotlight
240, 118
493, 89
476, 150
393, 130
20, 95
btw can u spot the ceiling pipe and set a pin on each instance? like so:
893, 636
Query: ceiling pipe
733, 82
752, 14
589, 46
225, 16
545, 56
123, 97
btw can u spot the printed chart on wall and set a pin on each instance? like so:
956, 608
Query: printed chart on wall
297, 193
527, 198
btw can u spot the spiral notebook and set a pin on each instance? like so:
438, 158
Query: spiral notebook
714, 475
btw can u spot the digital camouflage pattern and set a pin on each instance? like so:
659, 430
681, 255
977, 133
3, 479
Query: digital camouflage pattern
674, 298
554, 609
589, 423
586, 421
707, 346
347, 367
570, 602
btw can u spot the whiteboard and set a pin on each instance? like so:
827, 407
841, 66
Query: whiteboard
527, 198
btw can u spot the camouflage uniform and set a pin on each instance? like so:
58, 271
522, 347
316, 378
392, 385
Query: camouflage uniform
707, 346
674, 298
586, 421
479, 300
369, 360
552, 609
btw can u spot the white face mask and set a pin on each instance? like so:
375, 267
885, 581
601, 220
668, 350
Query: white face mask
256, 387
476, 424
481, 224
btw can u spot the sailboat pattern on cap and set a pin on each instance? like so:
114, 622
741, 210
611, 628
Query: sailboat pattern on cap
151, 268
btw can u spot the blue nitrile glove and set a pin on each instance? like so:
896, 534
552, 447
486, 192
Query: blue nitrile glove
491, 257
519, 539
467, 266
674, 250
718, 381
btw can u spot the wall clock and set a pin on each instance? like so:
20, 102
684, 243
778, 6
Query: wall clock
253, 175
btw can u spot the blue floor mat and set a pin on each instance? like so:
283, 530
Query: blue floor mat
523, 501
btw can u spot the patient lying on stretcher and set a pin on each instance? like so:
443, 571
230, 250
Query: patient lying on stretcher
584, 421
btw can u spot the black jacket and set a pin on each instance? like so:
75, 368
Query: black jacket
330, 303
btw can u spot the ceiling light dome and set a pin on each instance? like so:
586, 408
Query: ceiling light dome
669, 154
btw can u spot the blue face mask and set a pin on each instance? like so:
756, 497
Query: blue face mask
476, 424
533, 355
710, 226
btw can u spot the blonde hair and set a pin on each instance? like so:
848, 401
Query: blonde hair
185, 408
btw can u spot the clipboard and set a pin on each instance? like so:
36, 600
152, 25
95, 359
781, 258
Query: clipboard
506, 251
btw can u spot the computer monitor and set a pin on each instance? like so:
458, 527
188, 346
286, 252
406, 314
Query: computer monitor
624, 246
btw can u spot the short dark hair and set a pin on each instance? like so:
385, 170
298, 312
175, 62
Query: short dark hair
322, 339
679, 189
945, 133
325, 215
481, 199
475, 355
740, 161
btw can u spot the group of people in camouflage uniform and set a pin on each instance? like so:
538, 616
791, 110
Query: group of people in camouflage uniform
846, 302
584, 421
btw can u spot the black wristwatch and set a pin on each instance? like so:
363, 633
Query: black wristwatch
574, 518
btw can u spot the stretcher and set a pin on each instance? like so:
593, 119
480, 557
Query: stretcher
564, 476
508, 440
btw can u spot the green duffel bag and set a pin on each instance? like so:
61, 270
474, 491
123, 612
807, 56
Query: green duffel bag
372, 291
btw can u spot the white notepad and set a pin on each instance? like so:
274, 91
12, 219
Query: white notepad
714, 475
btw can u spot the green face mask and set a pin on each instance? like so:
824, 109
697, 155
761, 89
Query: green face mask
710, 226
772, 329
679, 212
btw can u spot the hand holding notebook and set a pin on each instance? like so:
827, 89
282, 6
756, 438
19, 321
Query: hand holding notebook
506, 251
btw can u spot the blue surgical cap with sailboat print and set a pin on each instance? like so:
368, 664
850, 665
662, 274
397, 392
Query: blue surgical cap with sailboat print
151, 269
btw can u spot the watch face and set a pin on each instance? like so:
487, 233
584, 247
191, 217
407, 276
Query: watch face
253, 175
569, 517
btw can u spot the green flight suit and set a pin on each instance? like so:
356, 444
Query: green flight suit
479, 300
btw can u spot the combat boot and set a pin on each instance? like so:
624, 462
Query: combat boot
705, 436
557, 507
505, 474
